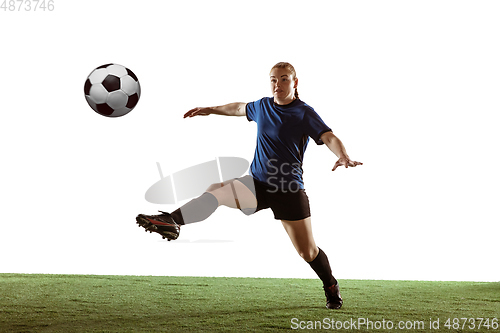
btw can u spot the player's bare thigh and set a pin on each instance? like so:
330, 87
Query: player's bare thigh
225, 195
300, 233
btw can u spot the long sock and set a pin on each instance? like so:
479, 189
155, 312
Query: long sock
321, 266
196, 210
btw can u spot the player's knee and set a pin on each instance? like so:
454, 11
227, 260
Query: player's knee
224, 195
308, 254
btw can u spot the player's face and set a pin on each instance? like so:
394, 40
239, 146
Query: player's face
283, 85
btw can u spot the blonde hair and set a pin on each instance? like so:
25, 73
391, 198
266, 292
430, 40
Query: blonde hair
290, 68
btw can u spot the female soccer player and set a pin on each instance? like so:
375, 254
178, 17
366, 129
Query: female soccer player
284, 125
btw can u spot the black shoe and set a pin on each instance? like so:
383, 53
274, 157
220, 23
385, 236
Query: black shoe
333, 298
163, 224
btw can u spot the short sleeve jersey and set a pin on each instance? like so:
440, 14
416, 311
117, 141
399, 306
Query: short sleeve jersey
283, 132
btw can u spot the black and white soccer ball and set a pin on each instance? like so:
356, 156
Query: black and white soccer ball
112, 90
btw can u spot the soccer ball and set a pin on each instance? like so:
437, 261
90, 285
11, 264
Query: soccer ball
112, 90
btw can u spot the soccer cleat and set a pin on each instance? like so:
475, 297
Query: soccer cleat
163, 224
333, 298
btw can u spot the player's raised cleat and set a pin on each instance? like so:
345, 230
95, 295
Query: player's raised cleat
333, 298
163, 224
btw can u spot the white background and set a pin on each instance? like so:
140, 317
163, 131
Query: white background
410, 87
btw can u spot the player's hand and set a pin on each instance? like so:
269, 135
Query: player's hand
346, 161
197, 112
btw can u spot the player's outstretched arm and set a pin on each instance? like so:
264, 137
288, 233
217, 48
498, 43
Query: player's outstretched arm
232, 109
337, 147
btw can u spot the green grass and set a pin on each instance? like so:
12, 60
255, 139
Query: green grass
81, 303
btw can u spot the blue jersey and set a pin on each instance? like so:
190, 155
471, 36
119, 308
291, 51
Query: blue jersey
283, 132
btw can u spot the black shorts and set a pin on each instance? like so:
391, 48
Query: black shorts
290, 205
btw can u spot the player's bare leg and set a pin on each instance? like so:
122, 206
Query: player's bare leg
234, 194
300, 233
